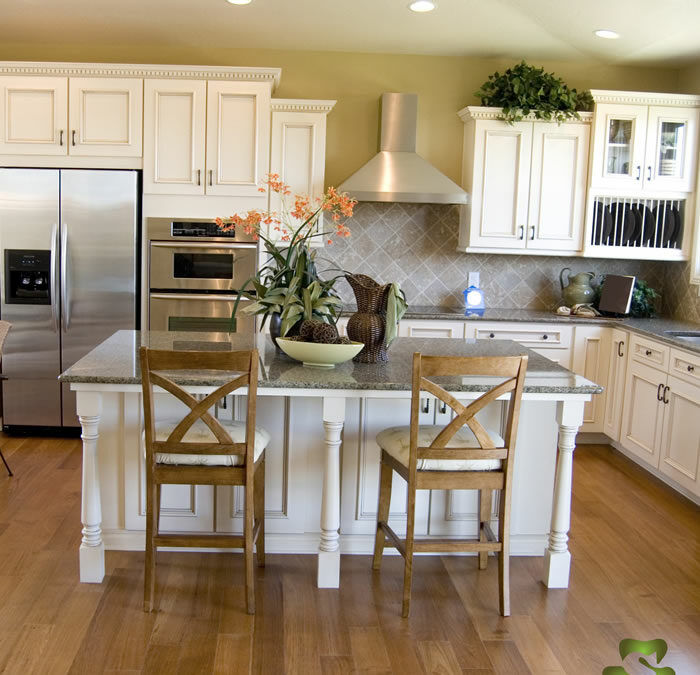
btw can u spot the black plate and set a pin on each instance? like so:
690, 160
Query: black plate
624, 222
603, 224
678, 230
636, 236
648, 225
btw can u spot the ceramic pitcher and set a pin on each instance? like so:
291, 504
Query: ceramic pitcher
578, 288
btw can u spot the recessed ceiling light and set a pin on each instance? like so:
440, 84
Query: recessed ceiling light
607, 34
239, 2
422, 6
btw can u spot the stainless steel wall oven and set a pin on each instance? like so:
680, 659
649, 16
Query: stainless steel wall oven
195, 274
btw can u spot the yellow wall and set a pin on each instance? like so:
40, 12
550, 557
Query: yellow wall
689, 79
443, 84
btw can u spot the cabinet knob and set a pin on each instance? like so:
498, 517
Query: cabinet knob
492, 335
691, 369
648, 352
545, 337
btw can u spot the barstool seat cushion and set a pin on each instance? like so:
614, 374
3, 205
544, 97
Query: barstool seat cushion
396, 441
199, 432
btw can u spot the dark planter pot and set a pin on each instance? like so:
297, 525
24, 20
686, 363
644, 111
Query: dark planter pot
275, 323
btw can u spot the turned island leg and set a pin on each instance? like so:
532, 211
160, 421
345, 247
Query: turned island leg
557, 557
329, 547
92, 549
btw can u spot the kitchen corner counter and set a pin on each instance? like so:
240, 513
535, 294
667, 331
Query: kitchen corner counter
654, 328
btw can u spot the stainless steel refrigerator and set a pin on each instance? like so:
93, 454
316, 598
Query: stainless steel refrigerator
69, 279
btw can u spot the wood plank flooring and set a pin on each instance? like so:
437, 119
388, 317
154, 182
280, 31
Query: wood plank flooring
636, 574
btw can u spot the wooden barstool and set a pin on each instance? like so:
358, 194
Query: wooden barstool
462, 455
202, 450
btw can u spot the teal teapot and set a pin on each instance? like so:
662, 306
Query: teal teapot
578, 289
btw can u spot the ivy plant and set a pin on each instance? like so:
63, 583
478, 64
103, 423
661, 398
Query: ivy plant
524, 89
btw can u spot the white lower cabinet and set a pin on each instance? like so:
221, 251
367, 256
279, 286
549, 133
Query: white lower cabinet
661, 418
591, 360
679, 453
615, 389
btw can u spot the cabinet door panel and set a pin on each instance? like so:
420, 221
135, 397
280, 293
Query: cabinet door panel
439, 329
105, 117
680, 442
591, 360
615, 390
619, 145
33, 115
174, 129
501, 184
642, 416
671, 149
298, 154
558, 185
238, 144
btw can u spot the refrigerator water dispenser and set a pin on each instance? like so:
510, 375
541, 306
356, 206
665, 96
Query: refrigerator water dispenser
27, 277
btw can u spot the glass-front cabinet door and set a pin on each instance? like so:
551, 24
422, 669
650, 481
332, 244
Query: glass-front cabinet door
670, 148
620, 137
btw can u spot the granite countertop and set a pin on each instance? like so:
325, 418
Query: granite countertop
115, 361
653, 328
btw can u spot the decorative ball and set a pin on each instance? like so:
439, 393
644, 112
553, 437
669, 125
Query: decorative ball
306, 329
325, 333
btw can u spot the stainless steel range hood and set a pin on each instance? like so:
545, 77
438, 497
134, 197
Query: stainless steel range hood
397, 173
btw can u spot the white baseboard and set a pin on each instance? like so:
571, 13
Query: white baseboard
307, 543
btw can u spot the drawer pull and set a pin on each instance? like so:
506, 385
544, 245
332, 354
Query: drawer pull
691, 369
522, 232
443, 408
60, 137
648, 352
666, 390
659, 397
426, 407
619, 348
492, 335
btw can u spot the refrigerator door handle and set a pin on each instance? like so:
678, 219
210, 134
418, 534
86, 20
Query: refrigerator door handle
65, 290
52, 277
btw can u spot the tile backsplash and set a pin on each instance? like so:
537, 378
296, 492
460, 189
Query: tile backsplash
414, 244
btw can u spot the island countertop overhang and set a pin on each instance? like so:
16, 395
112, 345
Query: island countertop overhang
115, 362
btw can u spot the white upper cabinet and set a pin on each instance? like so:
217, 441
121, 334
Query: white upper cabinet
238, 141
33, 115
105, 116
644, 148
92, 117
174, 132
298, 149
206, 137
526, 181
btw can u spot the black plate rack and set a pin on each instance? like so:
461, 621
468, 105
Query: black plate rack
655, 224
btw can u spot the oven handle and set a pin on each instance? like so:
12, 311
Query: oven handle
196, 296
199, 244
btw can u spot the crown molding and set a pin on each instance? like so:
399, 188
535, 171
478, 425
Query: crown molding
644, 98
301, 105
478, 112
271, 75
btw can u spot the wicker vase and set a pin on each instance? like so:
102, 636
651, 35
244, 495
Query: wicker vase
368, 323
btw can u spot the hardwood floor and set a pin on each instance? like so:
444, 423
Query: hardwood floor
636, 574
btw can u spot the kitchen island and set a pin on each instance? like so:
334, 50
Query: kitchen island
307, 411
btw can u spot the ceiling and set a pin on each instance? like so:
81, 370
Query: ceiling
654, 32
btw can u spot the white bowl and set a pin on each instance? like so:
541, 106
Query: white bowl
319, 355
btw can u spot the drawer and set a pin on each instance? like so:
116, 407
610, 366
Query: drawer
420, 328
551, 336
649, 352
685, 365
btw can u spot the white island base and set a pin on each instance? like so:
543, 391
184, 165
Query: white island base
321, 494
